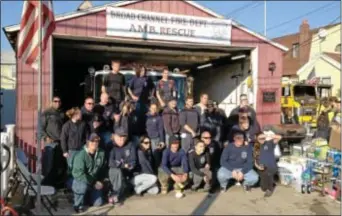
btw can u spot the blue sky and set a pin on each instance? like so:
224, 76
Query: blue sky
278, 12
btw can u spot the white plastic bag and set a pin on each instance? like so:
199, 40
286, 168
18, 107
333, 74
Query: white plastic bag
277, 151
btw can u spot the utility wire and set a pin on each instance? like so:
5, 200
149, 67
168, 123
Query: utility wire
249, 4
299, 17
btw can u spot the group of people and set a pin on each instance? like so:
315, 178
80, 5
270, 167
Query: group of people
143, 143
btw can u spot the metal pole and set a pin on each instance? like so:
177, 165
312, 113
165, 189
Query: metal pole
39, 109
265, 16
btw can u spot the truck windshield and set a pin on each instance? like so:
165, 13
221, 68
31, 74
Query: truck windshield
180, 83
302, 91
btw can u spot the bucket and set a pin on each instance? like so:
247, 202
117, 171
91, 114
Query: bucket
285, 176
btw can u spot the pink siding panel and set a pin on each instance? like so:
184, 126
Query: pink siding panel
101, 24
267, 113
91, 25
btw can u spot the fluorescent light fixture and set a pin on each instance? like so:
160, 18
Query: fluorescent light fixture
204, 66
238, 57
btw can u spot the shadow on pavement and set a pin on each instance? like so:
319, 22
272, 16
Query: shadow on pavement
203, 207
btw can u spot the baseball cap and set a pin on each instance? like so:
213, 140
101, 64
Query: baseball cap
93, 137
120, 132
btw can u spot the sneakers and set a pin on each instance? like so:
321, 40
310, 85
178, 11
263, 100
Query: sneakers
268, 193
179, 195
163, 191
78, 209
237, 184
223, 190
113, 200
247, 188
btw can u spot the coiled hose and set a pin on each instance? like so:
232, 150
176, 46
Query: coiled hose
6, 149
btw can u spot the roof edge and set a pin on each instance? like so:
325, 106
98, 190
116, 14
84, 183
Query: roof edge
242, 27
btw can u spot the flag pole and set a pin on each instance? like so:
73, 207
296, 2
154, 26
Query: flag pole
39, 109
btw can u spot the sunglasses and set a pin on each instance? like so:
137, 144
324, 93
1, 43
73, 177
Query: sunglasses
147, 142
206, 137
90, 103
56, 101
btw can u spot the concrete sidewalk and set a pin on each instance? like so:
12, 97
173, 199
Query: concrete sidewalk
235, 201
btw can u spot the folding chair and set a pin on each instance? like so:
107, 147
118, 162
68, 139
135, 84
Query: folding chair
30, 181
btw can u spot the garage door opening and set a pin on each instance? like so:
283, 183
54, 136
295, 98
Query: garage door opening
73, 58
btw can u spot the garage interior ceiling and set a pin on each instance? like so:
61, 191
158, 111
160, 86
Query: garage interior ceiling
95, 52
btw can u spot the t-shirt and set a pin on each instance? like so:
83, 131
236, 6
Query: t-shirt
114, 83
141, 87
166, 89
267, 157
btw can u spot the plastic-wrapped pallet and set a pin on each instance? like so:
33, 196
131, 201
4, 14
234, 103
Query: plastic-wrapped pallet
290, 172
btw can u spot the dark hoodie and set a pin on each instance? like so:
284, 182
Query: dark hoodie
52, 122
74, 135
214, 151
119, 156
249, 133
214, 124
155, 127
106, 111
171, 121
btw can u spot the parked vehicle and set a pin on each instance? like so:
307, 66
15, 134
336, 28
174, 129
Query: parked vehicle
183, 84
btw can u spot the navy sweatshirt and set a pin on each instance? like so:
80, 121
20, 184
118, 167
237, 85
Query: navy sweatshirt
267, 157
119, 156
155, 126
177, 159
191, 118
233, 158
145, 161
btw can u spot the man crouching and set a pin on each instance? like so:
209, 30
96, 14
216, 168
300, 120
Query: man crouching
237, 163
87, 172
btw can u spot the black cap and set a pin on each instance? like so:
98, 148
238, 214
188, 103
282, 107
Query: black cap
210, 103
120, 132
174, 140
237, 131
93, 137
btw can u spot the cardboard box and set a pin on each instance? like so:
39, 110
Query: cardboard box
335, 137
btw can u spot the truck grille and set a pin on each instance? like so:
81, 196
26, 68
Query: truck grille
309, 111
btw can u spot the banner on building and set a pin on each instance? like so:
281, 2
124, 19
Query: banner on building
139, 24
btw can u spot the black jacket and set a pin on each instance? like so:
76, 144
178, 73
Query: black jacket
87, 116
213, 122
52, 122
74, 135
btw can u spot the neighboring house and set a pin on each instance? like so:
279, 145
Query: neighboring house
8, 70
8, 88
314, 53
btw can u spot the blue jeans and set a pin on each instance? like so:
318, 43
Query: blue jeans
70, 159
80, 190
224, 175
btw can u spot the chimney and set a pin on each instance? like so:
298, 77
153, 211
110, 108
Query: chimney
304, 43
85, 5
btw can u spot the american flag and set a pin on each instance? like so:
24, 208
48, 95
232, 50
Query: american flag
28, 41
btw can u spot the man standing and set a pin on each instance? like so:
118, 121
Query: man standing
189, 120
201, 107
166, 89
237, 163
88, 173
244, 103
88, 111
114, 85
52, 121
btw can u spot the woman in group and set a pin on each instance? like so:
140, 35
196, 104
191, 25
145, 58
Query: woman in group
146, 180
122, 120
74, 135
155, 130
141, 89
